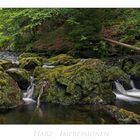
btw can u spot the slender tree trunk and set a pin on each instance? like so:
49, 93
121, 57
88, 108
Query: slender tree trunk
44, 85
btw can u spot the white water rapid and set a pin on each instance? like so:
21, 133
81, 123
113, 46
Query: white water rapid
130, 95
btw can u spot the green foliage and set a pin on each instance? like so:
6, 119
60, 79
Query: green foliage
62, 59
21, 27
127, 26
24, 29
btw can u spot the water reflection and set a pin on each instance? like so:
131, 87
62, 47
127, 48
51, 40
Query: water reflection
54, 114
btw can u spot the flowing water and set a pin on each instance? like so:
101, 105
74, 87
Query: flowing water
9, 56
58, 114
27, 95
127, 99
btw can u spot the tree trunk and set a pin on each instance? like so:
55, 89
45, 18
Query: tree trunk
122, 44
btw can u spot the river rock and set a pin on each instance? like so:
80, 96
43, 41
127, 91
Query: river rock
21, 76
122, 116
10, 95
87, 82
6, 64
30, 63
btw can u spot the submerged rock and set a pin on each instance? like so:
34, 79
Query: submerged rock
62, 59
122, 116
10, 95
86, 82
21, 76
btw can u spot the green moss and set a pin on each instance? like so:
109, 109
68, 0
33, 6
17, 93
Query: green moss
26, 55
10, 95
1, 68
135, 70
115, 73
6, 64
63, 59
21, 76
127, 64
122, 116
30, 62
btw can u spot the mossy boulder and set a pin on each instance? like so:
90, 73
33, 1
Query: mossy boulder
6, 64
26, 55
122, 116
62, 59
30, 62
10, 95
86, 82
21, 76
115, 73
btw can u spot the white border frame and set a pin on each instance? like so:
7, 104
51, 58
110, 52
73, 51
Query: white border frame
69, 3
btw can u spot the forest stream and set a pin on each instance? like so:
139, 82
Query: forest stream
51, 113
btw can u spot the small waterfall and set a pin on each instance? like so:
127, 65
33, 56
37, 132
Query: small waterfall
120, 88
27, 96
132, 84
131, 95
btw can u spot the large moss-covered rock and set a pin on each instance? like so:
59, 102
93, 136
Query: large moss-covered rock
30, 63
84, 82
10, 95
62, 59
21, 76
115, 73
122, 116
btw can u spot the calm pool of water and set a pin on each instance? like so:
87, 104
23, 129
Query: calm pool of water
58, 114
53, 114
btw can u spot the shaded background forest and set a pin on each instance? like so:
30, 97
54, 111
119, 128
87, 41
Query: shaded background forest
72, 31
